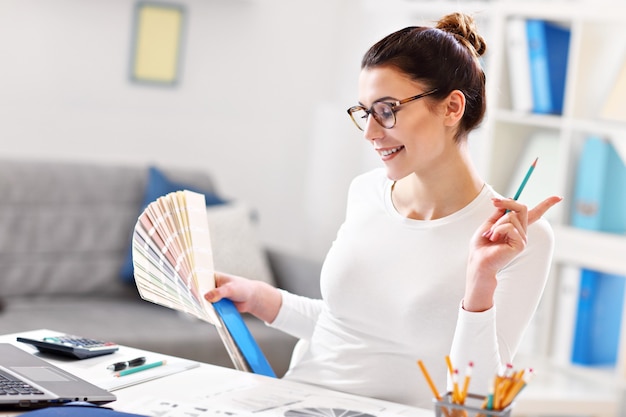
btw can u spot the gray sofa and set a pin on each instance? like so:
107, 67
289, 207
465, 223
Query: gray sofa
64, 235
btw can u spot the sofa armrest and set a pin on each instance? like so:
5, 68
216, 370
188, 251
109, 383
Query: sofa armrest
295, 274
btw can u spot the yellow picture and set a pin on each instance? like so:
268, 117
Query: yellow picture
157, 43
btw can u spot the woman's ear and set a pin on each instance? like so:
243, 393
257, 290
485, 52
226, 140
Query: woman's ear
455, 107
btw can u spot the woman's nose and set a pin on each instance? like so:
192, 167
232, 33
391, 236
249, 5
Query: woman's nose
373, 130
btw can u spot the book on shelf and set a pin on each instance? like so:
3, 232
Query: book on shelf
548, 52
519, 65
615, 106
173, 267
600, 205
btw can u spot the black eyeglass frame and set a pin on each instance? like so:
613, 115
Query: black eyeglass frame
393, 105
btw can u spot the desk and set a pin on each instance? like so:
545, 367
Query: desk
217, 390
553, 392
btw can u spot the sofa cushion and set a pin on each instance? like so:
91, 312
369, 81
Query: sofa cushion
235, 243
158, 185
63, 225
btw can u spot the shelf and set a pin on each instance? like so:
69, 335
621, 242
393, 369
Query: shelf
597, 50
608, 128
568, 390
601, 251
529, 119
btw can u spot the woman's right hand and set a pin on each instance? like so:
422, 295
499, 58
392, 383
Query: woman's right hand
249, 296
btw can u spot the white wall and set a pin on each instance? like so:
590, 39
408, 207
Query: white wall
261, 102
253, 74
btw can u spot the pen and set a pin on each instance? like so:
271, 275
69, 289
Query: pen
118, 366
140, 368
525, 180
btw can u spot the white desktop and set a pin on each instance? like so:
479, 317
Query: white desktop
183, 388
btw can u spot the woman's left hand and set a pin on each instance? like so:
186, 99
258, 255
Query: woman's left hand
495, 244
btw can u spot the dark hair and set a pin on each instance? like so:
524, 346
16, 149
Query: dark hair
444, 57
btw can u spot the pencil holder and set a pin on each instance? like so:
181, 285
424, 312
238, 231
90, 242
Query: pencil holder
471, 408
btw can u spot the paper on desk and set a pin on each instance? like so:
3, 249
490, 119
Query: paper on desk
95, 369
270, 400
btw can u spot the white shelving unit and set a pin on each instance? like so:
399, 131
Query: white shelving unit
597, 52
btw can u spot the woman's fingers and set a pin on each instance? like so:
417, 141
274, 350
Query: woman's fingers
509, 212
513, 215
540, 209
222, 288
507, 227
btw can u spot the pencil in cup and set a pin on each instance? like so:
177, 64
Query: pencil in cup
446, 407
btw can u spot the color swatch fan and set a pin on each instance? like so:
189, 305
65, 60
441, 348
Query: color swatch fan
173, 267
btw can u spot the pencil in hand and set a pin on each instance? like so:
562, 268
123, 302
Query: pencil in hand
524, 181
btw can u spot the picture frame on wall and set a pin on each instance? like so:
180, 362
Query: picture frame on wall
157, 43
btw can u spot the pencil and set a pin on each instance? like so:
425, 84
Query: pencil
489, 397
456, 394
455, 390
524, 181
468, 376
449, 363
517, 388
429, 380
139, 368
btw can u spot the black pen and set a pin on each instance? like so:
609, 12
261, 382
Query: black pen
139, 368
118, 366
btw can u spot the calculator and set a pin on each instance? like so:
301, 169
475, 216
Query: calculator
73, 346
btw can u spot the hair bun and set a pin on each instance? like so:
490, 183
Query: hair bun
463, 27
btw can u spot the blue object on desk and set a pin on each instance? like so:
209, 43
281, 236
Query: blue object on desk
78, 409
243, 338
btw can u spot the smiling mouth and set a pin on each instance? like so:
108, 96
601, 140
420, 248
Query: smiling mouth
387, 152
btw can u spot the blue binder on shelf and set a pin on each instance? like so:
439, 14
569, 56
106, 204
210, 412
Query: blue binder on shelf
599, 204
548, 51
600, 188
599, 318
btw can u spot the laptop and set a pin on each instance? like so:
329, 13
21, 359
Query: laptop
30, 382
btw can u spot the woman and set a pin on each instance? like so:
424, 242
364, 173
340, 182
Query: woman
430, 261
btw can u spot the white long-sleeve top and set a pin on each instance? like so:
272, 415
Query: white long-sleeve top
391, 294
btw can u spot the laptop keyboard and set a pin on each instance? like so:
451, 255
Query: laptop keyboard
10, 385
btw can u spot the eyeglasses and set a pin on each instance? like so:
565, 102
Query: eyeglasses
384, 112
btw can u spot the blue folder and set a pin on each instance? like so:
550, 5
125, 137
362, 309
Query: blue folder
548, 51
599, 318
244, 340
600, 188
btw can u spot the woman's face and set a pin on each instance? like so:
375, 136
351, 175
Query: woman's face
419, 138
